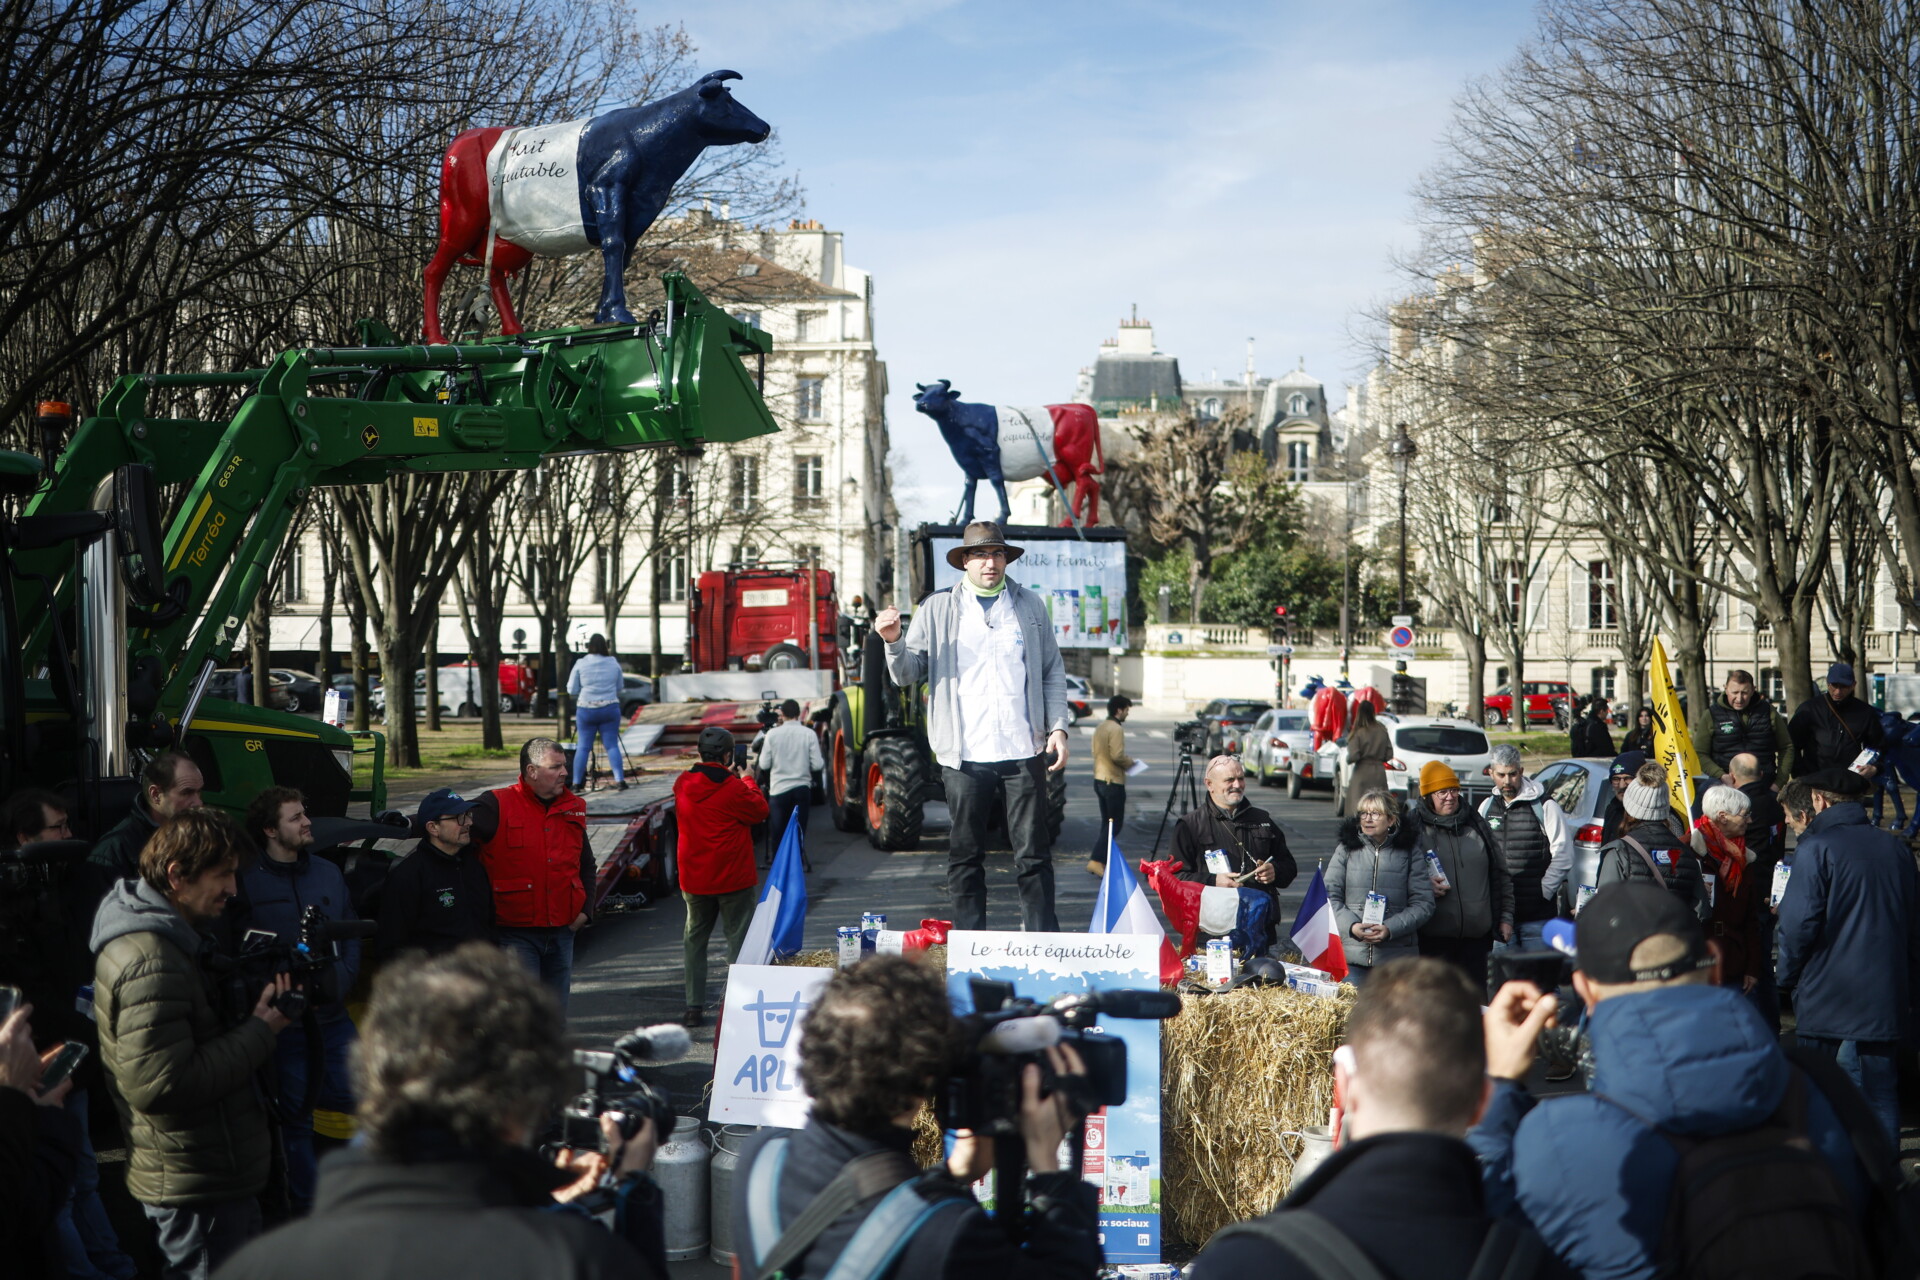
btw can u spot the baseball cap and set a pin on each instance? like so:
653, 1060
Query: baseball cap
1622, 916
1840, 673
1627, 762
714, 742
444, 802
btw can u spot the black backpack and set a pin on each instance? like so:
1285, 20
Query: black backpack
1509, 1252
1764, 1204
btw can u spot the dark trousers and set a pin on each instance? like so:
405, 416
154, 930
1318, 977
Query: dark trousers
1874, 1066
194, 1241
547, 954
1113, 808
1469, 953
792, 800
971, 790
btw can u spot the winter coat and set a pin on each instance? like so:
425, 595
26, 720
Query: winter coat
1596, 1181
1590, 737
1850, 929
478, 1219
1061, 1225
1638, 739
1533, 838
1734, 917
277, 894
1827, 735
1766, 825
1368, 751
434, 902
1759, 730
1481, 895
182, 1077
1411, 1201
1246, 836
715, 812
1679, 866
115, 856
1360, 867
39, 1160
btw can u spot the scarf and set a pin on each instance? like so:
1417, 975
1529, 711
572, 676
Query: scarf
967, 584
1731, 855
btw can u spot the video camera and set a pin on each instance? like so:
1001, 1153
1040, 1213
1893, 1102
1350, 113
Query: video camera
1190, 736
45, 864
308, 959
1549, 971
615, 1088
1006, 1032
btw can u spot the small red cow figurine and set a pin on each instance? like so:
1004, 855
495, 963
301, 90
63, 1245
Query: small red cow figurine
553, 190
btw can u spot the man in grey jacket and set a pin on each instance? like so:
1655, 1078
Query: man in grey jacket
996, 709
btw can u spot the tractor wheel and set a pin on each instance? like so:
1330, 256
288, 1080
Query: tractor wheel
843, 770
1056, 806
1293, 784
897, 779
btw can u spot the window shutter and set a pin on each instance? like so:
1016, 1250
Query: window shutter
1576, 596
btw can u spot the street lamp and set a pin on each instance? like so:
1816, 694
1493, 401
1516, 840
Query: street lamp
1403, 451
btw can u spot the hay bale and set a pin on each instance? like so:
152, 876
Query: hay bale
827, 957
1239, 1071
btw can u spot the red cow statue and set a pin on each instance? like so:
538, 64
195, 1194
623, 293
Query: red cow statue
1327, 714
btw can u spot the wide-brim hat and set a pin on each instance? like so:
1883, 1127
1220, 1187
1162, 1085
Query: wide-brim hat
979, 534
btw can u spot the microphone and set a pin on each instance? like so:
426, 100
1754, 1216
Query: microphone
1137, 1004
1021, 1035
663, 1043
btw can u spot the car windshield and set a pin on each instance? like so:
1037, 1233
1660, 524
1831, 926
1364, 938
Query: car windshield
1290, 720
1242, 710
1441, 740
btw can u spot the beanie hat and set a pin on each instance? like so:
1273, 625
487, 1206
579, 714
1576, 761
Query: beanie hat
1646, 803
1627, 762
1435, 776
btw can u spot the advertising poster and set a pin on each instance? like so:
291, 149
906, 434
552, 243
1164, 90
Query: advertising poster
1123, 1143
756, 1064
1083, 583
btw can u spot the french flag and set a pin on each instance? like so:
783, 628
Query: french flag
1316, 933
1242, 916
1122, 907
781, 917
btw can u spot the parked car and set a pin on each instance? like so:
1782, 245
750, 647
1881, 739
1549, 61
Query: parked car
459, 689
225, 683
1079, 698
1276, 740
635, 692
343, 681
1582, 788
1548, 702
1461, 745
303, 688
1227, 721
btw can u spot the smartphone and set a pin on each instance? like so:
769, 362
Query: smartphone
11, 998
71, 1055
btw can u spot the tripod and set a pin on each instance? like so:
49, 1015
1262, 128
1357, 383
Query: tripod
1188, 802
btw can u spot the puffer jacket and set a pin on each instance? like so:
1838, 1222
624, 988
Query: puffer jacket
1481, 895
1693, 1060
1760, 730
1679, 865
183, 1081
1360, 867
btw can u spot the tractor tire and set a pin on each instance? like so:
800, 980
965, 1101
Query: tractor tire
897, 777
785, 657
843, 770
1293, 784
1056, 806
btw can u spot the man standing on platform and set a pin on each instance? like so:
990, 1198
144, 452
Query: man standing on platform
532, 838
996, 713
1110, 765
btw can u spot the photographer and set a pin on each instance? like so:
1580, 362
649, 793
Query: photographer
310, 1059
182, 1075
462, 1059
875, 1047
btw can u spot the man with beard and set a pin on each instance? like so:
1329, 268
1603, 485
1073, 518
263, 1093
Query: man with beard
1230, 843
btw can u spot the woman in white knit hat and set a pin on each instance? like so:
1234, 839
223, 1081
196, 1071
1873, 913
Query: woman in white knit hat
1651, 848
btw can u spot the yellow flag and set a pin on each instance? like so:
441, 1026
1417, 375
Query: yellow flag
1672, 747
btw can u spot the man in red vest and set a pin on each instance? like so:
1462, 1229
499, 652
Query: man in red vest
716, 805
532, 838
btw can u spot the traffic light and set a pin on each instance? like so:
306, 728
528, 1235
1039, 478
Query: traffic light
1282, 625
1280, 611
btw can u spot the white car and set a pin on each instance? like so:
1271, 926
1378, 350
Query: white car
1461, 745
1276, 740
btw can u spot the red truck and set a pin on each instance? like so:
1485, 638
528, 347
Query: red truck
757, 620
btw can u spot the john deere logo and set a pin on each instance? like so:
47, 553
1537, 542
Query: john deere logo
371, 436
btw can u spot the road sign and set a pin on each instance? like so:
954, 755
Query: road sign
1403, 620
1401, 637
1279, 651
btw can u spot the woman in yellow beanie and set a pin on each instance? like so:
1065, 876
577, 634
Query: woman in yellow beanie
1473, 891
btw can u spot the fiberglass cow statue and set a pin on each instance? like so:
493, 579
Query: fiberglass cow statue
996, 443
553, 190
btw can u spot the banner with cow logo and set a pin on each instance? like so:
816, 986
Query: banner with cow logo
756, 1064
533, 184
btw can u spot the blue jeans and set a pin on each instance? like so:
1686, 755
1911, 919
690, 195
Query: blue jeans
84, 1241
1871, 1065
604, 722
1526, 937
196, 1239
299, 1095
548, 955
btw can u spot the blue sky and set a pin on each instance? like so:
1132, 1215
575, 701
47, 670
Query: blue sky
1018, 175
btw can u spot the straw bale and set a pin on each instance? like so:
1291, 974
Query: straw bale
1240, 1071
827, 957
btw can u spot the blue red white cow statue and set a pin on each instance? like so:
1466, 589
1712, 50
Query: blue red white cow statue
997, 443
553, 190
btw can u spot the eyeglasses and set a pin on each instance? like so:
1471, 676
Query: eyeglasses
994, 553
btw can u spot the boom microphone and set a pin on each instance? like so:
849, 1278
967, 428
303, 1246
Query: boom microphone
1021, 1035
1137, 1004
663, 1043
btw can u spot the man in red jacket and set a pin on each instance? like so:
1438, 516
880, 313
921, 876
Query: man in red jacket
716, 805
532, 839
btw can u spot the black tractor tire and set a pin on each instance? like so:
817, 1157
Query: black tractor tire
844, 770
1056, 806
898, 774
785, 657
